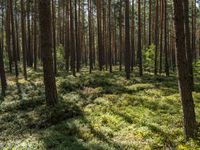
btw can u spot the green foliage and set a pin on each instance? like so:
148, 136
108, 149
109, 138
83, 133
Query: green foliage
98, 111
149, 56
60, 57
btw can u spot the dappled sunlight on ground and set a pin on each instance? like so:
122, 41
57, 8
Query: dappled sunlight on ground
97, 111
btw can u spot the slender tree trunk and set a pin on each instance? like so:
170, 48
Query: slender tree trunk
165, 41
133, 36
90, 36
127, 41
73, 52
110, 36
77, 38
24, 46
100, 47
2, 69
35, 35
150, 25
139, 40
156, 40
54, 36
2, 72
29, 48
14, 40
8, 37
17, 32
67, 40
194, 29
144, 24
161, 34
120, 37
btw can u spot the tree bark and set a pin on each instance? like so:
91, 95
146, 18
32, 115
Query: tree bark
183, 73
139, 40
127, 40
24, 46
46, 46
188, 40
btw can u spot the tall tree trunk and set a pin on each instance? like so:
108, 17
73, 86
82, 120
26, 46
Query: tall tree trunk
2, 69
133, 36
194, 29
8, 37
73, 52
14, 39
77, 47
188, 40
90, 35
144, 24
161, 34
183, 73
156, 40
35, 36
100, 47
150, 25
120, 37
67, 40
110, 36
17, 32
165, 41
29, 48
54, 36
46, 45
24, 46
139, 53
127, 40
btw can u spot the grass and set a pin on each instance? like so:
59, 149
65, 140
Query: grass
100, 111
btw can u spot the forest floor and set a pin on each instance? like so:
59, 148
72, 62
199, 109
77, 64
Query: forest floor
100, 111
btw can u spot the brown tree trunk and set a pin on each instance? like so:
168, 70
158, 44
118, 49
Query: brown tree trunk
120, 37
144, 24
90, 35
183, 73
54, 36
110, 36
139, 40
29, 48
161, 34
100, 47
156, 40
67, 40
46, 46
165, 41
17, 32
73, 52
2, 69
127, 41
133, 37
77, 47
8, 37
35, 35
23, 28
150, 25
188, 40
14, 39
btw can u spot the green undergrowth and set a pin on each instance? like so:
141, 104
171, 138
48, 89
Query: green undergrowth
98, 111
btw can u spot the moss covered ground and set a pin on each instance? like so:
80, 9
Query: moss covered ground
98, 111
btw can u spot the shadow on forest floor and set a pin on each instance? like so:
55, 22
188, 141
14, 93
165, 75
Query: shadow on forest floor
97, 111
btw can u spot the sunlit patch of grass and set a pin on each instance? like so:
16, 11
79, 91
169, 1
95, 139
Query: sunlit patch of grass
95, 111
